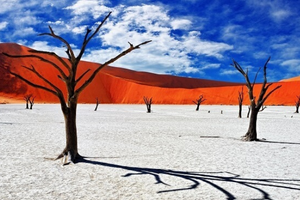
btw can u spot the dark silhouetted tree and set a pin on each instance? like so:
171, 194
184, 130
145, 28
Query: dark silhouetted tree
97, 103
67, 70
256, 105
148, 102
27, 100
241, 99
199, 101
297, 104
31, 101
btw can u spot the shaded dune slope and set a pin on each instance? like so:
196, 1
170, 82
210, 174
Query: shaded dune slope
117, 85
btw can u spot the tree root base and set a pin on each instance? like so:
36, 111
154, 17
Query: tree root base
248, 139
68, 157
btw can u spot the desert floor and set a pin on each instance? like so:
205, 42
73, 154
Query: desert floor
172, 153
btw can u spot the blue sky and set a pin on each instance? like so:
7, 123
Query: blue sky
192, 38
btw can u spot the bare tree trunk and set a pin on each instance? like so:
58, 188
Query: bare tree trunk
251, 134
31, 101
27, 99
240, 110
199, 101
148, 102
71, 148
97, 103
297, 104
241, 99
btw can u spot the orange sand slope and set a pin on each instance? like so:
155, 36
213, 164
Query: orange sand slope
117, 85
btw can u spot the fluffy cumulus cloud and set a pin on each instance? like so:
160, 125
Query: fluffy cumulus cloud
293, 65
166, 53
3, 25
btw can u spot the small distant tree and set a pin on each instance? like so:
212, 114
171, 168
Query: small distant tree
256, 105
97, 103
199, 101
27, 100
241, 99
31, 101
297, 104
148, 102
67, 72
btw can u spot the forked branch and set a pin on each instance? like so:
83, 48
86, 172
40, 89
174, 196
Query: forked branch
29, 82
54, 55
69, 49
87, 38
62, 74
148, 102
91, 78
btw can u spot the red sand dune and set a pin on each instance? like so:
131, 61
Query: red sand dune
117, 85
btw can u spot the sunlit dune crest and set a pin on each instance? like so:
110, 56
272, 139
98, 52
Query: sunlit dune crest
297, 78
118, 85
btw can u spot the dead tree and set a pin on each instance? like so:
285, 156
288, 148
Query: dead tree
297, 104
31, 101
67, 72
148, 102
27, 100
199, 101
251, 134
241, 99
97, 103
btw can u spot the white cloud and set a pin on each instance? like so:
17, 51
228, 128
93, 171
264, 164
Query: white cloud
94, 7
3, 25
181, 24
44, 46
79, 30
211, 66
24, 32
277, 10
229, 72
280, 14
8, 5
165, 53
293, 65
26, 19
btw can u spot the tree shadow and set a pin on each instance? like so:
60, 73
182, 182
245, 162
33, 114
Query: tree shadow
207, 177
278, 142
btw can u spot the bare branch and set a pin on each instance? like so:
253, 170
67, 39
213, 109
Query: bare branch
32, 69
255, 77
241, 96
265, 98
263, 87
52, 34
248, 83
52, 54
87, 39
42, 59
82, 75
29, 82
91, 78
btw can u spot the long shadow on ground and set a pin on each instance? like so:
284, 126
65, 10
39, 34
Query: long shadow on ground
208, 177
